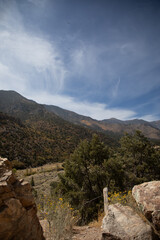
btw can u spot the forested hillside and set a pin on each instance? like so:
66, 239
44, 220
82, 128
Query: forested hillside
33, 136
30, 135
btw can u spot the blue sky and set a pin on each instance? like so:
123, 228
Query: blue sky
99, 58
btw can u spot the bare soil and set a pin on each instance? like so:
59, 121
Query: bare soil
87, 233
79, 233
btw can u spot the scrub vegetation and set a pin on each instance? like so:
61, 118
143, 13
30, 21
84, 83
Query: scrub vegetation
94, 166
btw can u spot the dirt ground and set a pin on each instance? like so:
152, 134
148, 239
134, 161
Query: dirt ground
87, 233
79, 233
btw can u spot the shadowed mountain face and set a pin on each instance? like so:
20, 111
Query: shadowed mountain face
32, 135
15, 105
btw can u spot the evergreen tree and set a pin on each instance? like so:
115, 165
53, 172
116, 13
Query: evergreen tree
85, 177
32, 182
140, 160
93, 166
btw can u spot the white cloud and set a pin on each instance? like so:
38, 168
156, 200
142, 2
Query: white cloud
149, 118
33, 65
28, 54
14, 81
86, 62
95, 110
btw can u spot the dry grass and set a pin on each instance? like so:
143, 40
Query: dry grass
97, 224
59, 215
56, 216
43, 176
45, 168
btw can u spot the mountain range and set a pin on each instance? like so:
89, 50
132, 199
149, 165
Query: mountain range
112, 125
16, 105
32, 134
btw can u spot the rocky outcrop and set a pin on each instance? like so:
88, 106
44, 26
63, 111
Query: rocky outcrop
125, 224
147, 196
18, 219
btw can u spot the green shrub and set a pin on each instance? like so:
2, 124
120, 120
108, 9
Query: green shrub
32, 182
14, 170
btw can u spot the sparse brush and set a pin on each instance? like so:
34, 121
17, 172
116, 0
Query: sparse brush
59, 215
123, 198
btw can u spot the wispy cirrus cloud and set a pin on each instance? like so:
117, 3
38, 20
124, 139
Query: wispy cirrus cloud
33, 66
48, 54
29, 55
9, 79
122, 65
149, 117
39, 3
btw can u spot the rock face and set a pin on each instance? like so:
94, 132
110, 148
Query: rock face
147, 196
18, 219
123, 223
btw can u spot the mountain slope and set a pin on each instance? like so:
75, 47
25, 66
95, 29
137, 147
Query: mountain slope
110, 126
16, 105
35, 136
38, 143
156, 124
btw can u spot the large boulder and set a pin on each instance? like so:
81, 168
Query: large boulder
147, 196
124, 223
18, 219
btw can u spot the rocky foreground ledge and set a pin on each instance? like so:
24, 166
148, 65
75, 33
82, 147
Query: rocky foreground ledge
18, 219
123, 223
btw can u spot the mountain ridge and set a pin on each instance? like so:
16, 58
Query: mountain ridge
116, 126
34, 136
9, 103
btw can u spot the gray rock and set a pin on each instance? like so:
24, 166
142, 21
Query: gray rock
147, 196
123, 222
